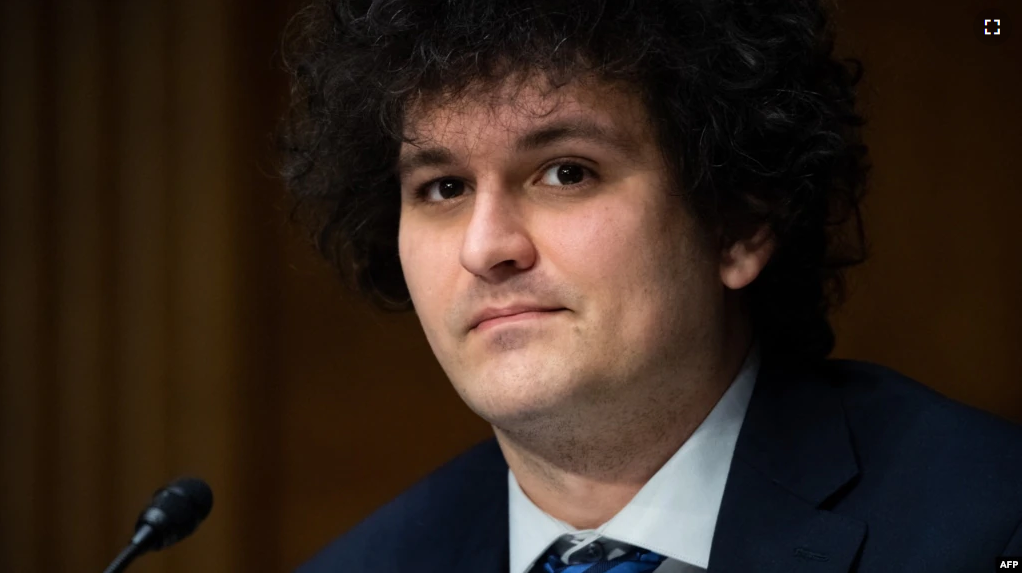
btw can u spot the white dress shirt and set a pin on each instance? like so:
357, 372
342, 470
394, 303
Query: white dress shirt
675, 512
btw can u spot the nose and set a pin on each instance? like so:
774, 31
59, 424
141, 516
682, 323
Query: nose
497, 242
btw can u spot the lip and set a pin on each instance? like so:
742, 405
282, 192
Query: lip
525, 316
494, 316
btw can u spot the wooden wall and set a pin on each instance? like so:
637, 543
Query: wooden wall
139, 257
158, 317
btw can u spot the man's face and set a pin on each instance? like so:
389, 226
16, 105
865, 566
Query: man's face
555, 200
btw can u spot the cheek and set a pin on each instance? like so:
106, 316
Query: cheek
429, 263
596, 251
631, 264
420, 265
592, 242
420, 251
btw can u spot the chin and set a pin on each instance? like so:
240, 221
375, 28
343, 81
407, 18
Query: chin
507, 400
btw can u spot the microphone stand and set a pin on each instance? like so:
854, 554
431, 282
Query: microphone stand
124, 559
139, 544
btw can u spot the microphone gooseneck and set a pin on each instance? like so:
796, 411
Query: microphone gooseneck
175, 513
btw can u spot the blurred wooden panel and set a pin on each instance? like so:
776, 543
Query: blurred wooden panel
938, 298
143, 283
255, 79
205, 397
20, 277
80, 410
120, 327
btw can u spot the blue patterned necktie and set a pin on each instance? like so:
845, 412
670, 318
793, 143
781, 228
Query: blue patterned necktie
612, 556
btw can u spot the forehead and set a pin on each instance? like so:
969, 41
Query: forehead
517, 106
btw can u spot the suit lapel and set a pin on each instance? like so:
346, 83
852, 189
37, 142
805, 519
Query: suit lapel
793, 457
479, 536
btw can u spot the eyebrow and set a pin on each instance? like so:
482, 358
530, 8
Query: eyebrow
541, 137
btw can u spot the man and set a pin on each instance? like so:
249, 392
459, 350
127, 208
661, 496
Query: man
622, 226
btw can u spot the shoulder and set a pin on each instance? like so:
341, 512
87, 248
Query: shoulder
931, 469
890, 411
419, 521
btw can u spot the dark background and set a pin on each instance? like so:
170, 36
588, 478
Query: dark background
159, 317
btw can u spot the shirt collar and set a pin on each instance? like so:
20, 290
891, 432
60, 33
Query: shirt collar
675, 512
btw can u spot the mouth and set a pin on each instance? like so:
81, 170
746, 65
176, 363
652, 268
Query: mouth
517, 318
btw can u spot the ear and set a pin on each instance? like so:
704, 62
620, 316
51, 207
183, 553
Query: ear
743, 260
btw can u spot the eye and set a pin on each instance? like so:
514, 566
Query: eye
440, 190
564, 174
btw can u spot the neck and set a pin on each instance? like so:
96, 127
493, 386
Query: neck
584, 468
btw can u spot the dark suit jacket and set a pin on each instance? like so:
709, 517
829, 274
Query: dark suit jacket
846, 466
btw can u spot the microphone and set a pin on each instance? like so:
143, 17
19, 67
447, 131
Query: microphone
175, 513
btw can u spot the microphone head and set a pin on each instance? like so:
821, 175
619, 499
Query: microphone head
175, 513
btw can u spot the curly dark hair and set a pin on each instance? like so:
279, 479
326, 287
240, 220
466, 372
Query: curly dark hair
754, 115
